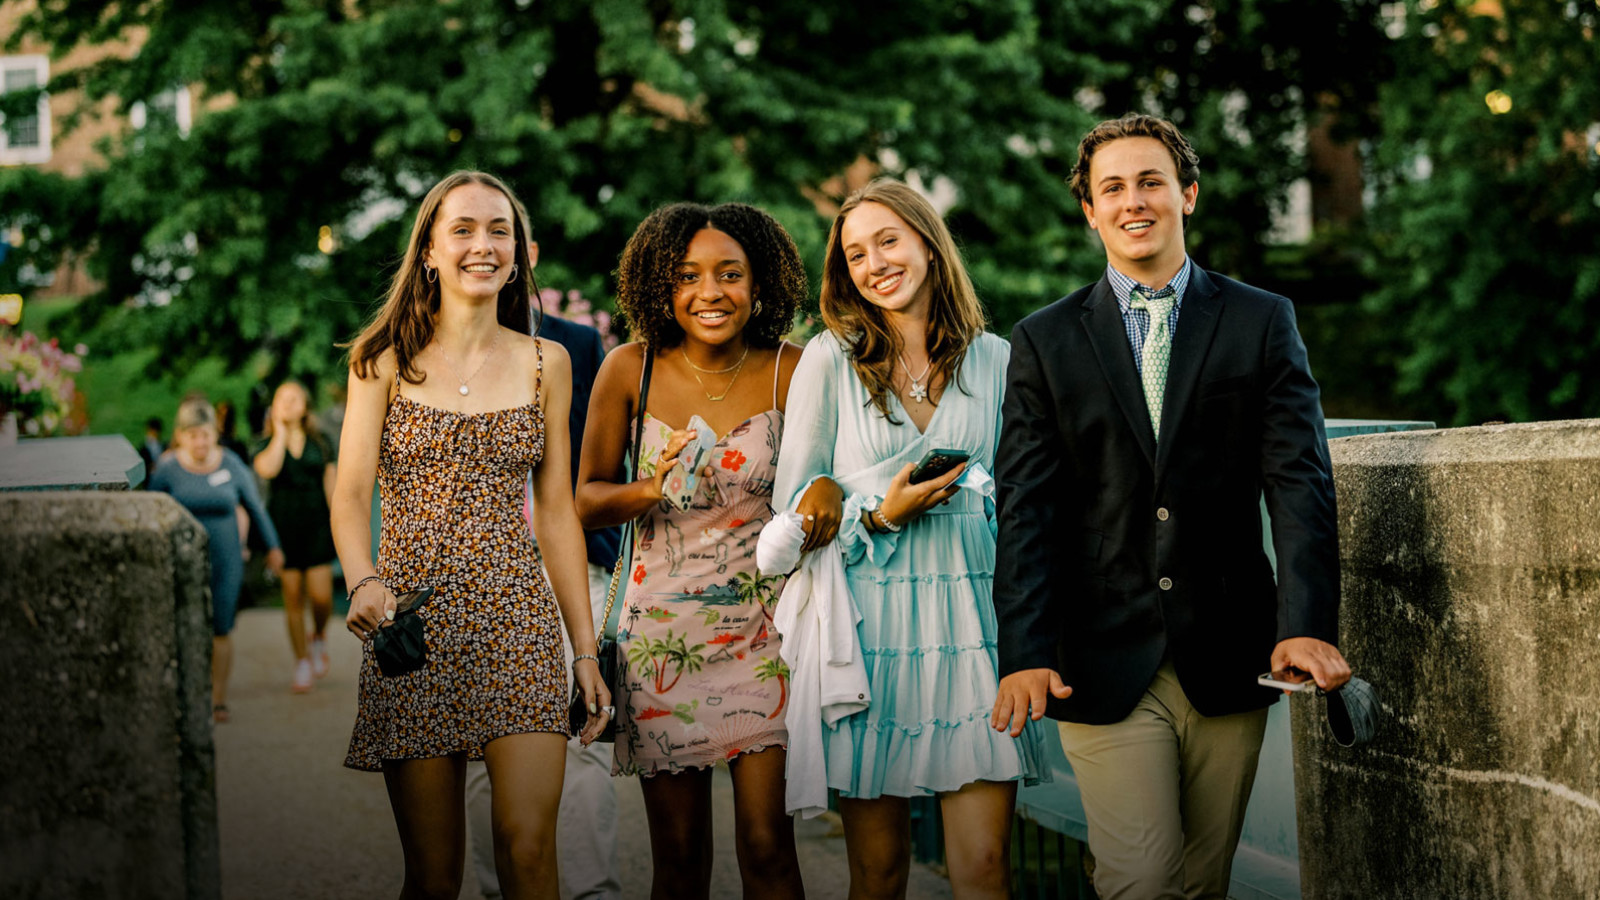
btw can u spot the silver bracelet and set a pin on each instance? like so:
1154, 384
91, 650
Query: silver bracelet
584, 656
884, 521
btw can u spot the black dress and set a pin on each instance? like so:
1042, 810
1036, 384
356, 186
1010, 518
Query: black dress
299, 507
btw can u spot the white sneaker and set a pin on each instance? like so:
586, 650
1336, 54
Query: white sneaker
303, 679
319, 657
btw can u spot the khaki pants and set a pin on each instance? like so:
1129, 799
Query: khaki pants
1164, 791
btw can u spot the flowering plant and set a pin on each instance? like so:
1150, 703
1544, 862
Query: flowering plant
36, 381
573, 307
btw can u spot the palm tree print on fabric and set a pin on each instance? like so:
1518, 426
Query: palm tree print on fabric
651, 657
775, 668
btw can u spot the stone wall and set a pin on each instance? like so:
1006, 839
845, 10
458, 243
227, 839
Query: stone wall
105, 654
1471, 561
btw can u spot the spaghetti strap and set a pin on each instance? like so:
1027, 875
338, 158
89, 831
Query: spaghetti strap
538, 369
777, 369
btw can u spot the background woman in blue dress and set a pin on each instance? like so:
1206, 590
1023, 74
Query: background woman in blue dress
212, 482
904, 367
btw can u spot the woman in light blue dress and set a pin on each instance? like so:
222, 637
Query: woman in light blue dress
906, 367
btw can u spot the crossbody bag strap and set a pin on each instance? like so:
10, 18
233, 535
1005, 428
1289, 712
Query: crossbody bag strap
631, 465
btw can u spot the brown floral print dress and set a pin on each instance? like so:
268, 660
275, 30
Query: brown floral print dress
451, 486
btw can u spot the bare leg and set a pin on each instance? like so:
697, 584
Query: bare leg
294, 610
768, 864
525, 775
221, 668
319, 587
678, 808
877, 840
978, 851
428, 798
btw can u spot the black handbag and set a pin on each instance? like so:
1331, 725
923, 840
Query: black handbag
610, 654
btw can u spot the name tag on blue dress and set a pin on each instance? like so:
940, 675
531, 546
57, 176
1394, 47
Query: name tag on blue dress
219, 478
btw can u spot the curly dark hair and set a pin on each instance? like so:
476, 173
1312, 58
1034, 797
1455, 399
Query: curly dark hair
647, 274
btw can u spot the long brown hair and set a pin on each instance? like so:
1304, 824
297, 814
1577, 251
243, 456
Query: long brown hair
405, 321
308, 422
955, 318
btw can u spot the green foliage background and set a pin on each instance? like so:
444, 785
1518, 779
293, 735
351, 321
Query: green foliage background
1480, 280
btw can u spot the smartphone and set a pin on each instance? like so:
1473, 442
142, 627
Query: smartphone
1287, 680
409, 600
937, 462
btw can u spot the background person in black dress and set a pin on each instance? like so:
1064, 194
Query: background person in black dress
298, 466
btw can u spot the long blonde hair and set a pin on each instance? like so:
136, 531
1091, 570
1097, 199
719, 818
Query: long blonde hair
405, 322
955, 318
308, 422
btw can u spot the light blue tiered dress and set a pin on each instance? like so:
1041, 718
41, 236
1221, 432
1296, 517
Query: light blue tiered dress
925, 594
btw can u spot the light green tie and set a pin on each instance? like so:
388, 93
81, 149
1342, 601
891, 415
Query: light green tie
1157, 346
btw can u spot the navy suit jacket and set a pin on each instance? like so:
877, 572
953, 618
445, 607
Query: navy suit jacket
1116, 551
583, 344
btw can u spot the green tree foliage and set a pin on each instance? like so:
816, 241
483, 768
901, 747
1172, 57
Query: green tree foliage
339, 113
1486, 231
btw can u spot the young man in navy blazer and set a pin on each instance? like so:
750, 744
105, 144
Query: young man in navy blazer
1145, 417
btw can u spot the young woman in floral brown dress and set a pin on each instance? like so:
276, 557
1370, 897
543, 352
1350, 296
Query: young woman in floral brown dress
451, 403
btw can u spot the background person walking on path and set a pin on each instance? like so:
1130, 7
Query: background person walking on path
299, 469
451, 403
213, 484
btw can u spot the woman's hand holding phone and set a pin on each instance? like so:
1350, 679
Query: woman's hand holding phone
371, 606
596, 698
676, 441
904, 501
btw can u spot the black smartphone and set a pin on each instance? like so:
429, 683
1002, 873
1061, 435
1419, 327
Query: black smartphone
411, 600
937, 462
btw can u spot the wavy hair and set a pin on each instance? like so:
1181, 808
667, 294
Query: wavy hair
647, 275
308, 422
1184, 159
405, 322
955, 317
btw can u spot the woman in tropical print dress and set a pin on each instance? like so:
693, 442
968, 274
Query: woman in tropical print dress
710, 292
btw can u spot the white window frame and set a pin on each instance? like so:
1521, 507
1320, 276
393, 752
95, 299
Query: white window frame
28, 155
182, 111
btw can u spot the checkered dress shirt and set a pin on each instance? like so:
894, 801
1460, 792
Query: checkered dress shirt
1136, 322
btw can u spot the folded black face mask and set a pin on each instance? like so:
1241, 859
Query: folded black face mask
1354, 713
401, 646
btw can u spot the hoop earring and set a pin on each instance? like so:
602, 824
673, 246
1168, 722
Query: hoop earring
513, 276
430, 274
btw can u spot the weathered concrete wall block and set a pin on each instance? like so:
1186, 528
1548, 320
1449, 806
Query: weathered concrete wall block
1471, 563
105, 641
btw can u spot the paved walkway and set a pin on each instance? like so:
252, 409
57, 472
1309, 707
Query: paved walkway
296, 825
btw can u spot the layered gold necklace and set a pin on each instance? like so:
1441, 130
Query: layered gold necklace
736, 368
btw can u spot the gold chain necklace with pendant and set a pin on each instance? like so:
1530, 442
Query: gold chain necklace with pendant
736, 368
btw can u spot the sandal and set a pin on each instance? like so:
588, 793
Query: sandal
219, 713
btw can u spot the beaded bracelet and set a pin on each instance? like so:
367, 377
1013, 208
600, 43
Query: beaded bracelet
584, 656
361, 584
883, 520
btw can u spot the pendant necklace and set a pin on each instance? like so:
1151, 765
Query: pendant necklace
488, 353
918, 390
736, 368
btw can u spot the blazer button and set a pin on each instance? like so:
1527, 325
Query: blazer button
1165, 583
1162, 514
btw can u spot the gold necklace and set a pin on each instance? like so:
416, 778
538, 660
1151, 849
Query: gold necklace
736, 368
736, 364
490, 352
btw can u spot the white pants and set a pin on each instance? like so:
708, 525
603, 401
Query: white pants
586, 827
